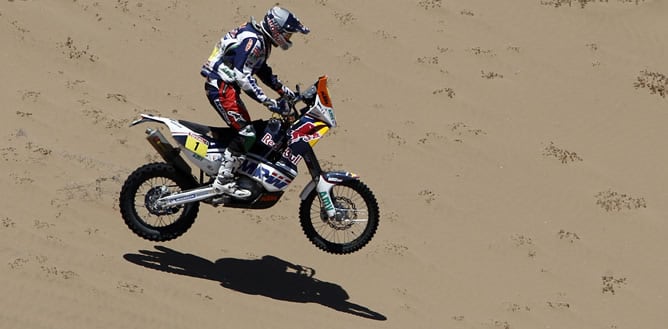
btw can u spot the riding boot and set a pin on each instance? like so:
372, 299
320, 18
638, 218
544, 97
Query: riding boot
224, 182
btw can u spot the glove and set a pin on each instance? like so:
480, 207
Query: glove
268, 102
281, 107
286, 92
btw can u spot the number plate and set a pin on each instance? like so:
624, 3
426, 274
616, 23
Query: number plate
197, 144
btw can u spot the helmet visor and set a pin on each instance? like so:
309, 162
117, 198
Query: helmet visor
293, 25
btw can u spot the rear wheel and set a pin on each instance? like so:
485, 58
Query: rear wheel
354, 224
138, 207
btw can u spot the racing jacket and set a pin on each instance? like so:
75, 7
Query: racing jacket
237, 57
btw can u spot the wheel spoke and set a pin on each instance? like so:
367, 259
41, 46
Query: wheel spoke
346, 226
150, 191
140, 209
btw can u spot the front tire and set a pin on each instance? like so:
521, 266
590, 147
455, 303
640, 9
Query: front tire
356, 219
142, 188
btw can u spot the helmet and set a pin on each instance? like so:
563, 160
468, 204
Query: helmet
279, 24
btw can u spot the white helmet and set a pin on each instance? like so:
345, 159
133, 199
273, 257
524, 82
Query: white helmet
279, 24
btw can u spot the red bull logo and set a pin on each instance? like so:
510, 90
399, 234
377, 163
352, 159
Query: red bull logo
293, 158
268, 140
307, 132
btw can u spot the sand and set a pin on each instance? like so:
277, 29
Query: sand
516, 148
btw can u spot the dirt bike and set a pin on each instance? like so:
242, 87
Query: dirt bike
338, 212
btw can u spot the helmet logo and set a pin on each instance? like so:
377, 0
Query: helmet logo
279, 24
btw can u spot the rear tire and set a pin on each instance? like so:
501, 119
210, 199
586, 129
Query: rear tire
147, 184
356, 219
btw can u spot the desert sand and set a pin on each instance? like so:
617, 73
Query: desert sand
517, 150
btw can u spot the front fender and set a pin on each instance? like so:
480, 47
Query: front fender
330, 177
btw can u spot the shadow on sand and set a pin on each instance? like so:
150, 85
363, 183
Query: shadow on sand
268, 276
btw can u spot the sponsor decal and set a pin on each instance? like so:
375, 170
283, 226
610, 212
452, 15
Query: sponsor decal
257, 52
306, 132
235, 117
215, 52
268, 140
330, 113
229, 73
269, 197
326, 201
184, 198
267, 176
325, 98
293, 158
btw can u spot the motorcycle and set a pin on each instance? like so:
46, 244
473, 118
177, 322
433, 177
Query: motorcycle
338, 213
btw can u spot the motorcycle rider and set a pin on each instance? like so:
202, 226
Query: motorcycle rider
236, 58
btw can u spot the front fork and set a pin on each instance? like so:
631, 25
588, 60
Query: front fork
323, 182
324, 190
323, 187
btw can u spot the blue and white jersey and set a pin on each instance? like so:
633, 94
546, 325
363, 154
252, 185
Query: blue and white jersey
239, 55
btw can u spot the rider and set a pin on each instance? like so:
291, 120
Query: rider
240, 54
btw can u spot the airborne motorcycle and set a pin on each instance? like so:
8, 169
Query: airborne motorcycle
160, 201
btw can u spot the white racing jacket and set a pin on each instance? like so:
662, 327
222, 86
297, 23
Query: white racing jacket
237, 57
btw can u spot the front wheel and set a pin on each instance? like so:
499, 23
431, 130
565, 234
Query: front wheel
139, 208
354, 224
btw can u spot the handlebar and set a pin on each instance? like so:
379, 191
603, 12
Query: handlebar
292, 102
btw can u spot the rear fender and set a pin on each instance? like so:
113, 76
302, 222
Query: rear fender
168, 152
174, 126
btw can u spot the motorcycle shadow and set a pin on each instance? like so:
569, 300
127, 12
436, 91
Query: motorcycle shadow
268, 276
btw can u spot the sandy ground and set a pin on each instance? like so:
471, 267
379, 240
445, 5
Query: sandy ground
517, 150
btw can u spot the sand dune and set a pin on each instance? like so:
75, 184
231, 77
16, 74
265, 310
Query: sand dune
517, 150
